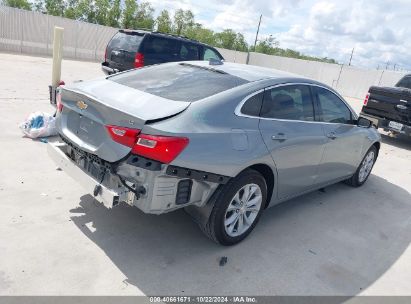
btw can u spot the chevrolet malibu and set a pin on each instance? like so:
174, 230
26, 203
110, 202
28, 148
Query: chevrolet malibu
222, 140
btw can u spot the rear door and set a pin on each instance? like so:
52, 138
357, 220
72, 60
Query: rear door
189, 51
344, 139
158, 49
293, 137
122, 48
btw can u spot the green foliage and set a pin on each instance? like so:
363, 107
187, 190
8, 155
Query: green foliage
229, 39
199, 33
38, 6
183, 21
270, 46
23, 4
129, 13
137, 16
55, 7
267, 46
144, 16
114, 14
163, 22
102, 8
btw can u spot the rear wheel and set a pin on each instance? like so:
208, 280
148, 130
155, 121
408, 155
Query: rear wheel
364, 169
237, 209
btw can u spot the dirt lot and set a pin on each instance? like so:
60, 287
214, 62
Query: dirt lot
54, 239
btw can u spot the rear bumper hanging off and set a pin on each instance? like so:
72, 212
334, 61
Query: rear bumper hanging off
165, 189
105, 195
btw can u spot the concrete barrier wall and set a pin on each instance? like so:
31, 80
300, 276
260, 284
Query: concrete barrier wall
233, 56
32, 33
347, 80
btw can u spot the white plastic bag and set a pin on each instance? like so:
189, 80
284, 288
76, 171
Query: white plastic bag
39, 124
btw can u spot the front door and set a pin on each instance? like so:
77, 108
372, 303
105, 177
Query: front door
293, 137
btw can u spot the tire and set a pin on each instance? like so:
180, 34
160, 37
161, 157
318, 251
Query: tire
231, 204
358, 179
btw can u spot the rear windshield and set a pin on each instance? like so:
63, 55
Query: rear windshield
126, 41
181, 82
404, 82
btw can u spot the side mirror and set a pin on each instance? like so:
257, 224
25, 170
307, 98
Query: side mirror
364, 122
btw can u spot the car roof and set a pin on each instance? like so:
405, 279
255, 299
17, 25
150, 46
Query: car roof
164, 35
245, 71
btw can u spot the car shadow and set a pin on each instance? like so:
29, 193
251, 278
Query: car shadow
337, 241
400, 141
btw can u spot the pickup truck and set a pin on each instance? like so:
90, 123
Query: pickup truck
390, 107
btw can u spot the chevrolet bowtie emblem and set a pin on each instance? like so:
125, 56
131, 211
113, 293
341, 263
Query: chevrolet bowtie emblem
81, 105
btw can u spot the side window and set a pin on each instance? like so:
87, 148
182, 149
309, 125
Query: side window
189, 51
404, 83
161, 49
252, 106
210, 54
291, 102
332, 108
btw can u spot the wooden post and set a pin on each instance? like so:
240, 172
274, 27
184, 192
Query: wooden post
57, 56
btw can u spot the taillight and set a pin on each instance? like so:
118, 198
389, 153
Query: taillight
162, 148
59, 104
139, 60
366, 99
124, 136
105, 55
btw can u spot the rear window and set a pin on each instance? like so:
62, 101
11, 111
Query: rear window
404, 82
126, 41
181, 82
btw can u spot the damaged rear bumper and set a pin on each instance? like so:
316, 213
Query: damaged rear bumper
165, 187
57, 152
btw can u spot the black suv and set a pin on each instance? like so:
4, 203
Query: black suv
129, 49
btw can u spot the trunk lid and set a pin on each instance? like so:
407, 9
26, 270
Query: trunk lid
393, 103
90, 106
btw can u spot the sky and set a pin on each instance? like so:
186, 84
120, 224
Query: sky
379, 31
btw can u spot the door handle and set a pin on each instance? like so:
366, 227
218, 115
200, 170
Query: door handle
279, 136
332, 135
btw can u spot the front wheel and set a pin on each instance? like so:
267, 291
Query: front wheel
237, 209
364, 169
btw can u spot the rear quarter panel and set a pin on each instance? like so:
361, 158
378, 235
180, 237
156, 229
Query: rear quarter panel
220, 141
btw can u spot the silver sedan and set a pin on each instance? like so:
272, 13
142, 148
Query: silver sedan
223, 140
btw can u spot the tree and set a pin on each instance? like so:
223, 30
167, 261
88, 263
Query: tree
144, 16
163, 22
84, 10
55, 7
129, 13
240, 43
71, 10
38, 6
102, 8
114, 14
226, 39
198, 32
23, 4
182, 21
268, 46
